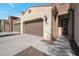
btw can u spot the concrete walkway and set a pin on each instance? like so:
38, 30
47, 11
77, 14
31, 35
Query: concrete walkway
11, 45
61, 47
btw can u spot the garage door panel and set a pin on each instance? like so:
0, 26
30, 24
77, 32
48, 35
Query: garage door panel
17, 27
35, 28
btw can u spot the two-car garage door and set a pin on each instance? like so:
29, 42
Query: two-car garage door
34, 27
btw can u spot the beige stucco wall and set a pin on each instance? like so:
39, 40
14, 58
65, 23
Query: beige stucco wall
40, 12
1, 25
50, 28
7, 27
62, 8
76, 24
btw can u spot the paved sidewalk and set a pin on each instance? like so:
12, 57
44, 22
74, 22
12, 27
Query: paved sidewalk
11, 45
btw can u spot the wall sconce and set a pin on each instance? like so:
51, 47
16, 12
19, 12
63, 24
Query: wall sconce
45, 18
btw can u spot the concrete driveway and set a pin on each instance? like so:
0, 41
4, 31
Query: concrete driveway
11, 45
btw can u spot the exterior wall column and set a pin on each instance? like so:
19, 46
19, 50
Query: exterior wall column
21, 27
2, 24
47, 27
54, 26
10, 24
54, 23
71, 23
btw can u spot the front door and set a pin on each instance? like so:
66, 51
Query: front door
64, 25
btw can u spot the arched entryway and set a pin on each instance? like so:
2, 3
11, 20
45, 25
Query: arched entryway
63, 24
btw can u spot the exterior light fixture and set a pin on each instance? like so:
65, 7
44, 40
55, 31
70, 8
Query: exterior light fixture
45, 18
